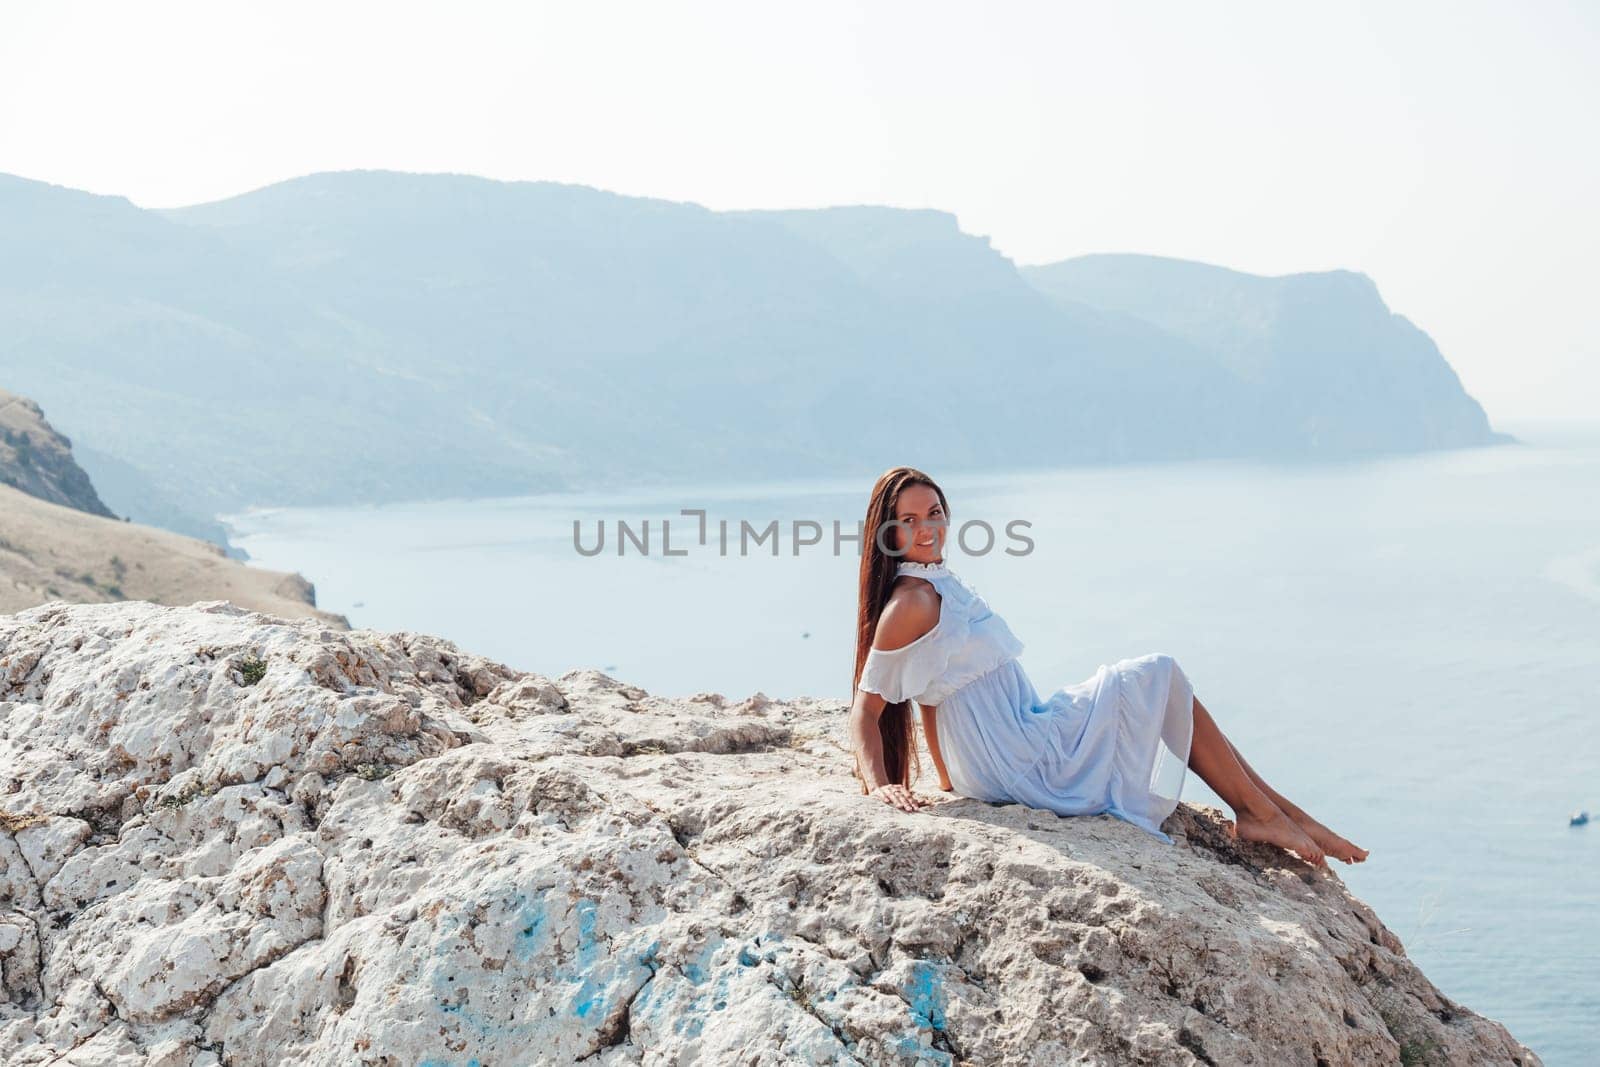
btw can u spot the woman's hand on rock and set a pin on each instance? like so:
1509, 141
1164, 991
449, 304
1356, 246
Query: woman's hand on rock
901, 797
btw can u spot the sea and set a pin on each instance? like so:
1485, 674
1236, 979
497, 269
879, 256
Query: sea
1408, 646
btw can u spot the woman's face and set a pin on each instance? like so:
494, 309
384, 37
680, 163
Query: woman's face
922, 525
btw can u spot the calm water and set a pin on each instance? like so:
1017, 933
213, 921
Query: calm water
1405, 647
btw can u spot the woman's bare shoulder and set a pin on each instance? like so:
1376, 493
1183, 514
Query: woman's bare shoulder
912, 611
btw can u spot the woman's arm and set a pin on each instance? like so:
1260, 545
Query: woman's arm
865, 739
930, 726
912, 611
868, 744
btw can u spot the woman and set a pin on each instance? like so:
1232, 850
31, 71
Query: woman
1117, 743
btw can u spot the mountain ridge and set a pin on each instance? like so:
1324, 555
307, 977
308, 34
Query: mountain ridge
453, 336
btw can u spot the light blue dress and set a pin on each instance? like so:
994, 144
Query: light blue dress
1115, 743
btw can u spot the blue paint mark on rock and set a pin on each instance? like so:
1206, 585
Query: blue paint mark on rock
748, 955
925, 992
697, 969
588, 944
591, 996
530, 928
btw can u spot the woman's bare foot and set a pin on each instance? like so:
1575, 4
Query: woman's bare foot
1278, 829
1330, 842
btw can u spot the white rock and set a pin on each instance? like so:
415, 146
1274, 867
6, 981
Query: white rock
390, 851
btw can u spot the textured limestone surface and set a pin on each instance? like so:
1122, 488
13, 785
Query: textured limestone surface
232, 838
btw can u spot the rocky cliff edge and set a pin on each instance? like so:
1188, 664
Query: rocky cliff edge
232, 838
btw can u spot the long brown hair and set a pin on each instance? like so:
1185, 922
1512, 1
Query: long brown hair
878, 570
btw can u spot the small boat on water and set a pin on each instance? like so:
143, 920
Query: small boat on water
1579, 818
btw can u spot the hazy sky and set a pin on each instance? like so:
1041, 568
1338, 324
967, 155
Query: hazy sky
1446, 149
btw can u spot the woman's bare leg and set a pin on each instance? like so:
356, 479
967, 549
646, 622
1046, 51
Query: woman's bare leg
1256, 816
1334, 845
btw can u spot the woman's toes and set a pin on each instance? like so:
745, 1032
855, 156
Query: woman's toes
1309, 851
